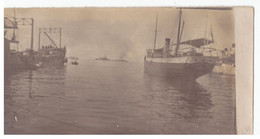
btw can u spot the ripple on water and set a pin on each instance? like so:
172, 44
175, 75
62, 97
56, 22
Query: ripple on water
111, 97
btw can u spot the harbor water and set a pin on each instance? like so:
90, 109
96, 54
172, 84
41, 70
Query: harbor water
108, 97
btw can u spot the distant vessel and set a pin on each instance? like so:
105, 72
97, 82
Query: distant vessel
13, 58
179, 63
120, 60
103, 58
52, 54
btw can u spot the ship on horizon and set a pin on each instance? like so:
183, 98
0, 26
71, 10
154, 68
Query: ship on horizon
104, 58
180, 63
121, 59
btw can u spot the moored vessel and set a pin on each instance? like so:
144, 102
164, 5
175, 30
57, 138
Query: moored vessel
52, 54
187, 60
15, 60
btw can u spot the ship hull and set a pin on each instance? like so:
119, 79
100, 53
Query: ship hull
179, 70
50, 61
51, 57
13, 63
17, 61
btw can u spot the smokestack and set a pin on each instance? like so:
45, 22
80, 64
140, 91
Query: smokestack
166, 47
167, 42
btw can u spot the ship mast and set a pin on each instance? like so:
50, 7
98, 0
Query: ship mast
32, 26
60, 37
14, 31
15, 24
178, 35
155, 34
39, 39
206, 31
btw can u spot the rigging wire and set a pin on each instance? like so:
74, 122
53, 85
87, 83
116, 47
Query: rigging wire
46, 38
172, 31
186, 31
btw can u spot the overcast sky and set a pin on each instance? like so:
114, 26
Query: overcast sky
115, 32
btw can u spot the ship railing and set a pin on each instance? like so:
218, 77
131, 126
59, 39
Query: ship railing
190, 51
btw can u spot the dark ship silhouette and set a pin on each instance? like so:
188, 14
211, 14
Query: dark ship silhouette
103, 58
13, 58
175, 63
29, 58
54, 54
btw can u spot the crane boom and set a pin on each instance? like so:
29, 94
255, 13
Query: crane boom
50, 39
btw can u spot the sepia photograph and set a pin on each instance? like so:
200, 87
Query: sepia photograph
145, 70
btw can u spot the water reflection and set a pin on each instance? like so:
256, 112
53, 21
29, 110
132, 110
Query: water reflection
185, 99
25, 91
103, 98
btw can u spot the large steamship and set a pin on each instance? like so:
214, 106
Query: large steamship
177, 63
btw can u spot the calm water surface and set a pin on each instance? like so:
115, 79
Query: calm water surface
102, 97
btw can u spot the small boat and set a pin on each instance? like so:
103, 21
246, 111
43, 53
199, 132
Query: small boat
74, 63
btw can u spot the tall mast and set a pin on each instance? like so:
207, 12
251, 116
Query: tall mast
183, 23
32, 33
211, 33
15, 25
155, 34
178, 35
60, 37
39, 40
206, 31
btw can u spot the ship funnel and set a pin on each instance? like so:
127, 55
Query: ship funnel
166, 47
167, 41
